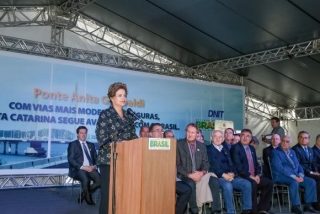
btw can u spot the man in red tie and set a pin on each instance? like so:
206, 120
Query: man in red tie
245, 160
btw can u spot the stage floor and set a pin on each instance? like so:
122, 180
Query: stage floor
51, 201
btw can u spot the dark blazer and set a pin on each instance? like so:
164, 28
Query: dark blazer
240, 160
281, 165
75, 156
184, 161
308, 163
215, 166
316, 152
265, 155
225, 145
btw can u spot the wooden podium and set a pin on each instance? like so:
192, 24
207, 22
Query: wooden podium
145, 177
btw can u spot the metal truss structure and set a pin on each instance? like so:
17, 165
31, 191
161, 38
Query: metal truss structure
136, 55
261, 108
117, 42
72, 54
74, 6
33, 180
299, 114
263, 57
67, 17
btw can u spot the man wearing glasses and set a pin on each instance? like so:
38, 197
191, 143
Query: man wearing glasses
182, 189
307, 160
192, 165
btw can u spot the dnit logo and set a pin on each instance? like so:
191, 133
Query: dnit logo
215, 113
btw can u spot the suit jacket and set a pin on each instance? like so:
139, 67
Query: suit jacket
240, 161
184, 160
316, 152
278, 130
265, 155
75, 156
281, 165
225, 145
308, 163
215, 166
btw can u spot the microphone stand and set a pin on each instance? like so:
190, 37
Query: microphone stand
115, 154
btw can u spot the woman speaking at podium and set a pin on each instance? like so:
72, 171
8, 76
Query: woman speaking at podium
114, 124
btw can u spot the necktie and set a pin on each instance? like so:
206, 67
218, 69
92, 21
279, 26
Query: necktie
307, 152
86, 152
251, 168
192, 149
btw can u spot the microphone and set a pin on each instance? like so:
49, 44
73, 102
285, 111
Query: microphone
130, 111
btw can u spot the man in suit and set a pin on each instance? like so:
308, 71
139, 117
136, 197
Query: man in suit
287, 170
82, 158
276, 129
275, 141
228, 137
192, 165
245, 160
221, 164
307, 161
182, 189
316, 151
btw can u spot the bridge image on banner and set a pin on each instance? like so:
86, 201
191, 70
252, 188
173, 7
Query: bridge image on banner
44, 100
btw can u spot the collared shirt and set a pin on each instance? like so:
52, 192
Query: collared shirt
219, 148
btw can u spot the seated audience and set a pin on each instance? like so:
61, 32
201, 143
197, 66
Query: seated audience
192, 165
82, 158
307, 161
182, 189
168, 134
144, 131
221, 164
254, 142
287, 170
316, 151
246, 165
228, 137
236, 139
275, 141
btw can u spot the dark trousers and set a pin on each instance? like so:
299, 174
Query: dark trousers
215, 191
105, 181
266, 187
86, 177
317, 180
184, 192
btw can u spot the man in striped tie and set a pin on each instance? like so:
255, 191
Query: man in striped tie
246, 165
82, 157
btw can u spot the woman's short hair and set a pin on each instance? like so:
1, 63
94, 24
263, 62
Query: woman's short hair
113, 88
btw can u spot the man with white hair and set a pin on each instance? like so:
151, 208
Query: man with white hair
221, 164
287, 170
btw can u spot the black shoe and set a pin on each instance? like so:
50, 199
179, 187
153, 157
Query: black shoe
296, 210
88, 198
310, 209
81, 198
245, 212
316, 206
216, 212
